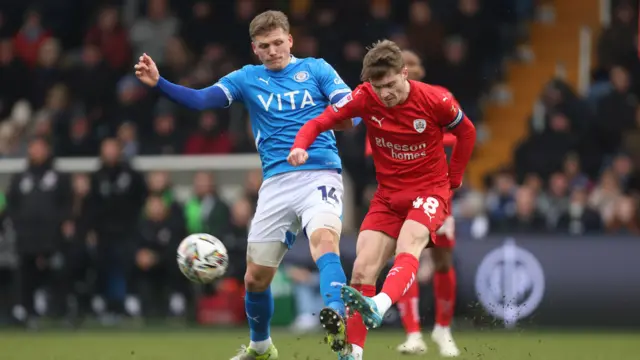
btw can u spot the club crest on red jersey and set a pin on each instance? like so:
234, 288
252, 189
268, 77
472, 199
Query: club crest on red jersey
420, 125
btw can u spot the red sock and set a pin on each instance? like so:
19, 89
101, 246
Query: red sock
401, 276
356, 331
408, 307
444, 287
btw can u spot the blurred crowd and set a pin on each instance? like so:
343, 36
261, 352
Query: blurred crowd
67, 75
578, 171
67, 90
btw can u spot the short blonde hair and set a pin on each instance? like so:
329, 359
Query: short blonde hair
268, 21
382, 57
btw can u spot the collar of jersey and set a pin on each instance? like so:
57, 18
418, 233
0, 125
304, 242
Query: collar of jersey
292, 60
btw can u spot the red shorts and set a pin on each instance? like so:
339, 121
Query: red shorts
388, 212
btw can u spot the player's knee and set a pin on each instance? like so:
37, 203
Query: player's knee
257, 278
324, 241
324, 234
364, 271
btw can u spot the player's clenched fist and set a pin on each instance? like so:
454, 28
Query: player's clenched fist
147, 71
297, 157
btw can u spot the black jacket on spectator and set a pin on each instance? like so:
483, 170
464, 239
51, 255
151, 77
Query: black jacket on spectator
115, 201
38, 201
162, 237
586, 221
535, 223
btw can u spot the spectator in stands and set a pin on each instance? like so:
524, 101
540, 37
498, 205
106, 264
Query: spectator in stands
378, 22
555, 201
535, 183
525, 219
117, 195
475, 25
165, 140
79, 141
615, 111
618, 41
425, 33
578, 218
471, 219
201, 27
605, 195
150, 34
622, 167
235, 238
132, 105
209, 138
544, 153
111, 38
573, 172
47, 72
91, 82
128, 138
156, 276
38, 204
460, 74
31, 38
160, 184
500, 200
16, 82
78, 250
625, 217
206, 211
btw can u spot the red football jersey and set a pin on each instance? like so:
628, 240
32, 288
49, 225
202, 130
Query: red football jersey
448, 139
406, 139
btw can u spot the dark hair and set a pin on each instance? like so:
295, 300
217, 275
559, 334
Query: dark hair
382, 57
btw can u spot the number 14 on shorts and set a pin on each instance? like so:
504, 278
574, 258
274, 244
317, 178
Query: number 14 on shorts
430, 205
329, 193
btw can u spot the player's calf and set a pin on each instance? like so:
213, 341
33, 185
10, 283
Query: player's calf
324, 236
263, 259
374, 248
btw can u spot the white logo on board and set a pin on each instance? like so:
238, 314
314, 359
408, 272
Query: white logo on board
510, 283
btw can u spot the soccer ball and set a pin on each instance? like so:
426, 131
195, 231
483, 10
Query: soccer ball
202, 258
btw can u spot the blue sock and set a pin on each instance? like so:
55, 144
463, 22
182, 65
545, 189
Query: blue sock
332, 278
259, 308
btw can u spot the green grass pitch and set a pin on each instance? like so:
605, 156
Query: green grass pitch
222, 344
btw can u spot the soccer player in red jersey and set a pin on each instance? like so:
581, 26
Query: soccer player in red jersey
444, 278
405, 122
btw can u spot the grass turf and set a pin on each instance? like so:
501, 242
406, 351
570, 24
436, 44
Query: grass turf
222, 344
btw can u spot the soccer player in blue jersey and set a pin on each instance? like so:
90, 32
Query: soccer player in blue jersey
281, 95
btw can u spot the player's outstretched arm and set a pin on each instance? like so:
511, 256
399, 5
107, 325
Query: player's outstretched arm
207, 98
313, 128
347, 108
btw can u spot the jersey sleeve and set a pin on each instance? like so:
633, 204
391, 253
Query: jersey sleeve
231, 84
447, 111
330, 82
348, 107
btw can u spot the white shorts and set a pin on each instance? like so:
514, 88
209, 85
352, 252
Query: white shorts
287, 202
